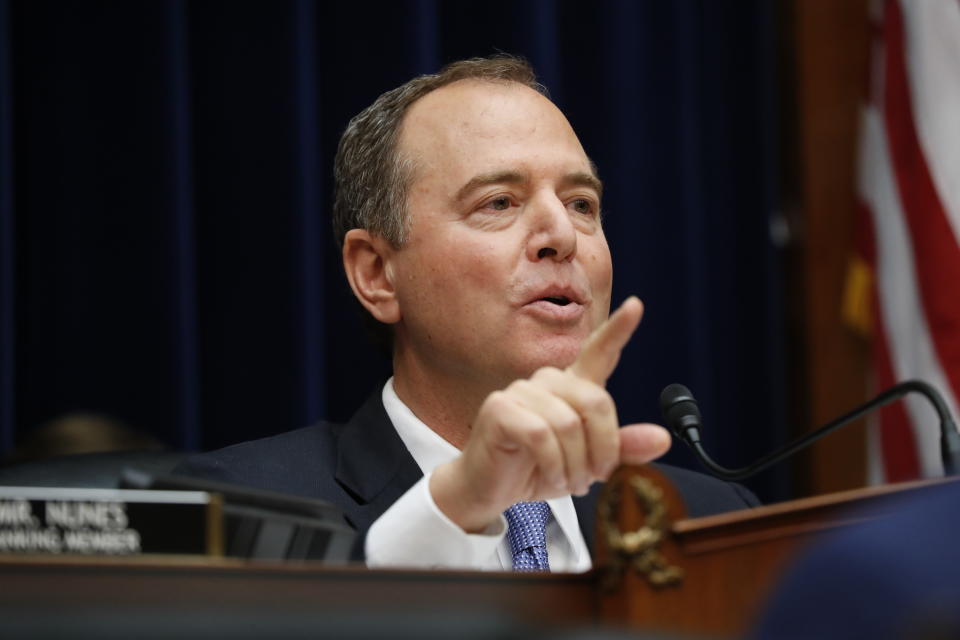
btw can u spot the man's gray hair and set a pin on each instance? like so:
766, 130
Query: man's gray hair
372, 175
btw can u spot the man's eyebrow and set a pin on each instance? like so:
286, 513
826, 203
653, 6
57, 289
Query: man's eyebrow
585, 180
578, 179
485, 179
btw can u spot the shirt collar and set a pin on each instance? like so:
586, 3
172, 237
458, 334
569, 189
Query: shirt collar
428, 449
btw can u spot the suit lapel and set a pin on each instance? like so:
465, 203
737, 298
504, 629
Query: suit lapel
373, 465
586, 507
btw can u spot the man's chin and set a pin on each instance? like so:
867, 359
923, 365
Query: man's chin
554, 352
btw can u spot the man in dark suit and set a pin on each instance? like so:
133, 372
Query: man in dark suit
469, 218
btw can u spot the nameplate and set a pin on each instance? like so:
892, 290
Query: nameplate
109, 522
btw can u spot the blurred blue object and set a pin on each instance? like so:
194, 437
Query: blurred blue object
890, 578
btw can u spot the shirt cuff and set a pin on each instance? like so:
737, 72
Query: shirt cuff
414, 533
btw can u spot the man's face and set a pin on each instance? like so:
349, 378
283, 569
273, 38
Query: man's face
506, 268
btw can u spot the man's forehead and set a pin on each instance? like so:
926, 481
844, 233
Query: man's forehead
479, 106
461, 96
470, 118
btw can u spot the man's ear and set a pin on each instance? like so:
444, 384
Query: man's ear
366, 259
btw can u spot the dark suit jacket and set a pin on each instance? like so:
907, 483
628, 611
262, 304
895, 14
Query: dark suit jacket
363, 467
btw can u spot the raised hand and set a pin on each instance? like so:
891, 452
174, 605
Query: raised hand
552, 434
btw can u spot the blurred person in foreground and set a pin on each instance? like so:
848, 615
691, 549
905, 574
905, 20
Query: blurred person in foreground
893, 577
469, 219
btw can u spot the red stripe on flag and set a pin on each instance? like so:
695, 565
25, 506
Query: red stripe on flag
897, 438
935, 251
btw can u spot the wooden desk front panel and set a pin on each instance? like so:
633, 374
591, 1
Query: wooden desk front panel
224, 588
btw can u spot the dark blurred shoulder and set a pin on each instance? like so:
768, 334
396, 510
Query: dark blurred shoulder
299, 462
705, 495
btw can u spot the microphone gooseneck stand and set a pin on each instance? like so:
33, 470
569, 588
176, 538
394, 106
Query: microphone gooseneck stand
682, 415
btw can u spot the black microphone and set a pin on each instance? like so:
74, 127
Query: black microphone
682, 415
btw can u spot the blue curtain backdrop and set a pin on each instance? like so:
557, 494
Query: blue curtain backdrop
165, 186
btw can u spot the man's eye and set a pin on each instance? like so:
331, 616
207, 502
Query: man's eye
499, 204
583, 206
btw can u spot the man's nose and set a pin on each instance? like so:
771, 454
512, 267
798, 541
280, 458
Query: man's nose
553, 236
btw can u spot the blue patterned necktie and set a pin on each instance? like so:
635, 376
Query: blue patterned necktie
528, 535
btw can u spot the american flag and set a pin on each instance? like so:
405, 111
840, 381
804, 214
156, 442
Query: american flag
908, 253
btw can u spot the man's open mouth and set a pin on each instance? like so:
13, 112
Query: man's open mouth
561, 305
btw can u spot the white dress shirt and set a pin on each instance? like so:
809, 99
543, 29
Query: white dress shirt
413, 532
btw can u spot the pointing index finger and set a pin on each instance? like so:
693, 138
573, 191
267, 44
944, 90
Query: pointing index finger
601, 351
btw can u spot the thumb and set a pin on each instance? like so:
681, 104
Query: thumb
641, 443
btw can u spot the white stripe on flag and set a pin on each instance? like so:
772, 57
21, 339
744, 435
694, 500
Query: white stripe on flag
908, 338
932, 37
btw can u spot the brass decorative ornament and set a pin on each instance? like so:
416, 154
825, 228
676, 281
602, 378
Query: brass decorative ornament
638, 549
